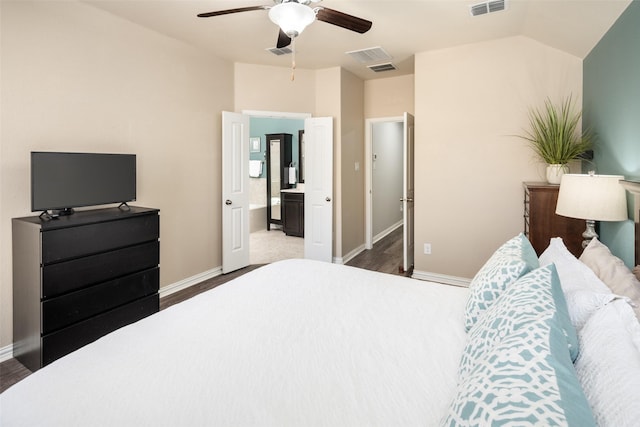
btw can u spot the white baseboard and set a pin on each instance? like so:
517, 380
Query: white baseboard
351, 255
6, 353
441, 278
386, 232
357, 251
189, 281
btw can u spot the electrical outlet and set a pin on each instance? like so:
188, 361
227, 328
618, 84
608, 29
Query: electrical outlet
427, 248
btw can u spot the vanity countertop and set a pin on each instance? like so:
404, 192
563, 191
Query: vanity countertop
292, 190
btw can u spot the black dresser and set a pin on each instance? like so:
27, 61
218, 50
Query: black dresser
79, 277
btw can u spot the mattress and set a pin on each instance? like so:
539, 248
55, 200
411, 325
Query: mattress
294, 343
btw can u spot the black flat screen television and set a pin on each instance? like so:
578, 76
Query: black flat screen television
62, 181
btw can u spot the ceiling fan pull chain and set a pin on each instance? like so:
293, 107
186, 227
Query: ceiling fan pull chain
293, 58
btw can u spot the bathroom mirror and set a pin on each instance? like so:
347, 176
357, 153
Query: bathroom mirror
274, 178
278, 158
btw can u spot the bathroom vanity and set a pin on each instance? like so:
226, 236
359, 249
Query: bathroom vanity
293, 212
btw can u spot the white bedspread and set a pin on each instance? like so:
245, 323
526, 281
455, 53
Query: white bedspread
295, 343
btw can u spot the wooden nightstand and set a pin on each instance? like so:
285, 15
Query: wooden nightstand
541, 222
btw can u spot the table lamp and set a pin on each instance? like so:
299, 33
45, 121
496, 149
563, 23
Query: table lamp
592, 198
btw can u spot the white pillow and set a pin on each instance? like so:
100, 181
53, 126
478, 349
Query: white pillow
612, 271
583, 290
608, 366
574, 274
582, 304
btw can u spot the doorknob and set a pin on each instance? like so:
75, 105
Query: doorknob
228, 202
328, 199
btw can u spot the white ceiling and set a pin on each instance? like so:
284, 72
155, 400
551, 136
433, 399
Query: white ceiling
401, 27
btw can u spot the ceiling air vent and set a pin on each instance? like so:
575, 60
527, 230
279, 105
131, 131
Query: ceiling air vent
279, 52
373, 54
487, 7
382, 67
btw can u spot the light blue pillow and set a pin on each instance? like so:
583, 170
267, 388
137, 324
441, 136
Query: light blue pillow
511, 261
526, 379
535, 296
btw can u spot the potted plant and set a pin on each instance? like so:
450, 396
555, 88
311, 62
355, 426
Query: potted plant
555, 137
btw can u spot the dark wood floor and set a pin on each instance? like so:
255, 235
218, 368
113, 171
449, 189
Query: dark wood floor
386, 257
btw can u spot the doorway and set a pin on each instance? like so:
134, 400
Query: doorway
267, 241
384, 166
389, 182
317, 197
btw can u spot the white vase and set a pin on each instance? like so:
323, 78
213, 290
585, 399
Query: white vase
555, 172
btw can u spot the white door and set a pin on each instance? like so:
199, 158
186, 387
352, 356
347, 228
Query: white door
235, 191
318, 186
408, 193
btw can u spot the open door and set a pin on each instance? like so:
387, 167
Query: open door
235, 191
318, 196
408, 193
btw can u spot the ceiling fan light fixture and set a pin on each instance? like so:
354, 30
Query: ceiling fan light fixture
292, 17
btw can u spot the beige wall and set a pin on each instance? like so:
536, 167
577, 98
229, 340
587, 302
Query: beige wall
352, 149
389, 97
266, 88
78, 79
469, 169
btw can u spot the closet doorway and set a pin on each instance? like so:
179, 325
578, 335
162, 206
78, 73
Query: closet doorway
389, 152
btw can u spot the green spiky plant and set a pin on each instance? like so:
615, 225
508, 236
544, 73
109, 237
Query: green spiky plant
554, 134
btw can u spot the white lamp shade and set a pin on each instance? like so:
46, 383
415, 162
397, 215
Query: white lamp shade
292, 17
592, 197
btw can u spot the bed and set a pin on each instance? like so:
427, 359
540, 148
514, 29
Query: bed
304, 343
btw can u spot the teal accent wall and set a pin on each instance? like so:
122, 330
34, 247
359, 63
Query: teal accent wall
611, 108
260, 126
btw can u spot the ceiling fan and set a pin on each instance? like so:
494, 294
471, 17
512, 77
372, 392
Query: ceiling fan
293, 16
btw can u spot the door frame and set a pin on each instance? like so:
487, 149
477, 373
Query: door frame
368, 151
408, 192
273, 115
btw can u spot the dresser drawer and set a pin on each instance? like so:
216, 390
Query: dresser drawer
75, 274
66, 243
66, 340
76, 306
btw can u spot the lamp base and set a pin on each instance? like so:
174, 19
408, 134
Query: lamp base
589, 233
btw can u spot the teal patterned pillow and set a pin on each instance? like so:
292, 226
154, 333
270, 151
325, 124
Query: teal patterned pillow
528, 379
535, 296
512, 260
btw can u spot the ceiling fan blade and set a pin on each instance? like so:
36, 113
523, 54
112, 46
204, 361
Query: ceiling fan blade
343, 20
283, 40
228, 11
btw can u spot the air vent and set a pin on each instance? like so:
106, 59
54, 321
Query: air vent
388, 66
373, 54
487, 7
279, 52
